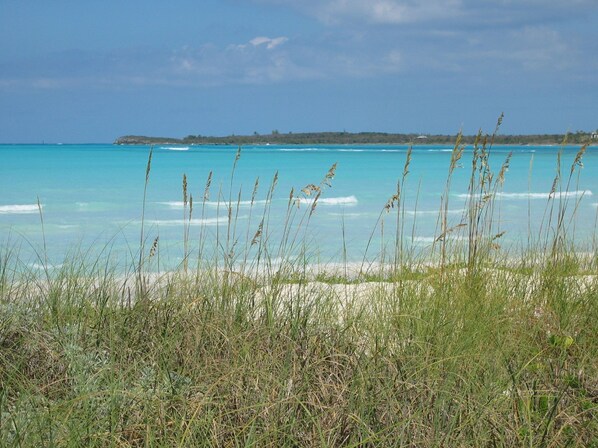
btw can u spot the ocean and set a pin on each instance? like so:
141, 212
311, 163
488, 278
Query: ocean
91, 199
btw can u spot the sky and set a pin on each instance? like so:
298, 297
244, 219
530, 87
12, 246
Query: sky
90, 71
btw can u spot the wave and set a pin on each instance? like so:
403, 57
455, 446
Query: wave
457, 211
302, 149
343, 200
348, 215
19, 209
175, 148
564, 194
336, 150
440, 150
423, 239
322, 150
179, 205
42, 267
223, 220
432, 239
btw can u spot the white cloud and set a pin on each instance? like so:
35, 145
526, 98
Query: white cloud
541, 47
264, 60
270, 43
480, 52
392, 11
376, 11
260, 60
530, 49
418, 11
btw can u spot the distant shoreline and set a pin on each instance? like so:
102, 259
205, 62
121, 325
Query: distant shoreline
362, 138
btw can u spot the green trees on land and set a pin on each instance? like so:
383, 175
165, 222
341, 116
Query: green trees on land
347, 138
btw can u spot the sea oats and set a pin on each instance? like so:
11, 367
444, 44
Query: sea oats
206, 194
258, 233
314, 203
392, 202
154, 247
443, 235
578, 158
331, 171
149, 164
499, 235
255, 188
504, 168
555, 183
309, 189
407, 162
184, 190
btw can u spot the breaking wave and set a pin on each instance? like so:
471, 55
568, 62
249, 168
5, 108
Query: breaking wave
42, 267
175, 148
342, 200
303, 149
194, 222
457, 211
349, 215
432, 239
179, 205
18, 209
564, 194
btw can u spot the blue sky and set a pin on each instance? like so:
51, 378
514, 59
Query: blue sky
90, 71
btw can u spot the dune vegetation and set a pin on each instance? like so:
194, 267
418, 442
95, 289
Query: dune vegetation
468, 345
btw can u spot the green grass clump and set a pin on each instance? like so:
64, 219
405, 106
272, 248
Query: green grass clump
500, 358
473, 348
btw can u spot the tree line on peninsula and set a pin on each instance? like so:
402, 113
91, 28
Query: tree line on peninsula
360, 138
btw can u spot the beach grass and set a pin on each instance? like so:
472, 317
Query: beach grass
468, 345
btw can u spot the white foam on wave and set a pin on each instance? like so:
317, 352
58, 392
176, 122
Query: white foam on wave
321, 150
175, 148
173, 204
42, 267
349, 215
457, 211
302, 149
423, 239
223, 220
432, 239
440, 150
342, 200
179, 205
516, 196
19, 209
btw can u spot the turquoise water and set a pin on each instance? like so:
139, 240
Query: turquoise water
92, 195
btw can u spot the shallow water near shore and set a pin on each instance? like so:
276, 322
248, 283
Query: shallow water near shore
91, 196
